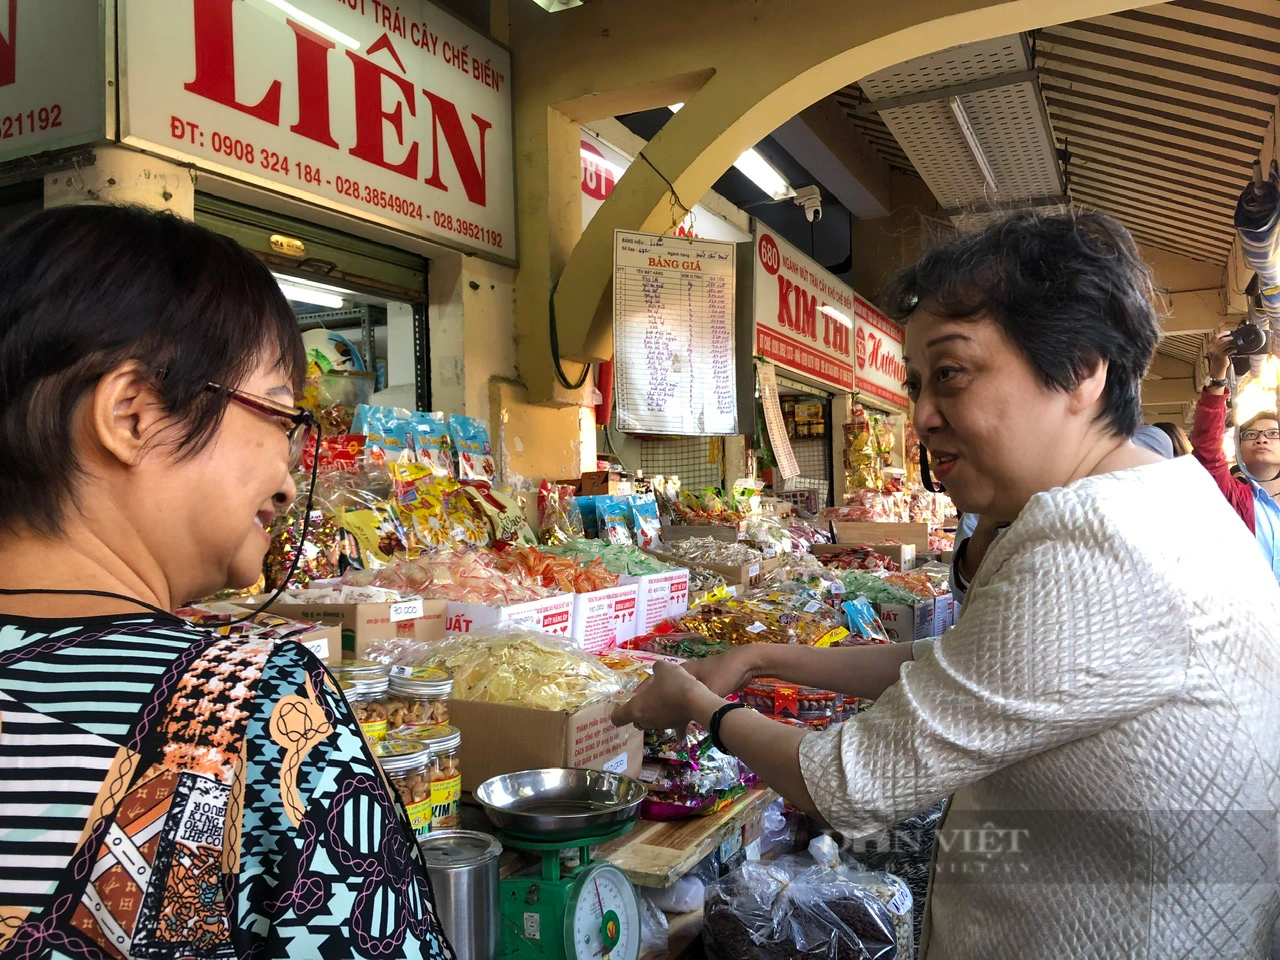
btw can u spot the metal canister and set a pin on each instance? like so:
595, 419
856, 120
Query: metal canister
463, 865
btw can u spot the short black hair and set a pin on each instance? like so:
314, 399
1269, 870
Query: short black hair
1068, 291
86, 288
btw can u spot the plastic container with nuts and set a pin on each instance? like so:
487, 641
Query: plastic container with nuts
364, 683
777, 699
418, 696
444, 770
406, 764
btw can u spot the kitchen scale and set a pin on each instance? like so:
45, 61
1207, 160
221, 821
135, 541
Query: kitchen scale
587, 911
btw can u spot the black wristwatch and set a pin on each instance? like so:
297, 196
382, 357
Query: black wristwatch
1216, 382
718, 716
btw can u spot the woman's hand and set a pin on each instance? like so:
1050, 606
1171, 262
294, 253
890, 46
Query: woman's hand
729, 672
669, 699
1218, 352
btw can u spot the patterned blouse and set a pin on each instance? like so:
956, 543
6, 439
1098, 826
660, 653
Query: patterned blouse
170, 794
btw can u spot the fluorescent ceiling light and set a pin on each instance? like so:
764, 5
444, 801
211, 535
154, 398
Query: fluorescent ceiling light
764, 175
305, 295
758, 170
599, 161
971, 138
555, 6
836, 315
315, 23
307, 284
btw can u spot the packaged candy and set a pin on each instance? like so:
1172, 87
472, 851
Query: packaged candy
614, 557
389, 429
710, 550
465, 576
864, 625
645, 522
685, 646
433, 510
472, 450
774, 698
614, 514
431, 440
687, 746
504, 516
559, 520
565, 574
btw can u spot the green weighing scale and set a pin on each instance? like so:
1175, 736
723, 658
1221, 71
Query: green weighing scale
556, 912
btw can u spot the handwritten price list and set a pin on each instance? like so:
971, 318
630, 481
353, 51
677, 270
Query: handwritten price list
673, 330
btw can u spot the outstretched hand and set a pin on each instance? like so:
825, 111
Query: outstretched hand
671, 698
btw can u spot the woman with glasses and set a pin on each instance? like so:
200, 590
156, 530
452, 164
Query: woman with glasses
1252, 494
167, 792
1104, 715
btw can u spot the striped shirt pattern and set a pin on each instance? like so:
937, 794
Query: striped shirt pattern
68, 695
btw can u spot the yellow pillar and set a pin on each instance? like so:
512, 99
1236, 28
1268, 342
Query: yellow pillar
741, 69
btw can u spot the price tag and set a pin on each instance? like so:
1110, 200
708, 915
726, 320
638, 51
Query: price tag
753, 571
406, 610
757, 627
617, 765
837, 588
813, 606
400, 671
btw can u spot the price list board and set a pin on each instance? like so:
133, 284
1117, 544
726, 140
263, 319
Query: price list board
673, 330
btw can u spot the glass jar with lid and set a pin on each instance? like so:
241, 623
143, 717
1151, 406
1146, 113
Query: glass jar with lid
444, 770
418, 696
406, 764
364, 684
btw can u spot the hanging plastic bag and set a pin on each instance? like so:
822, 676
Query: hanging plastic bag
472, 450
645, 522
614, 514
794, 908
431, 438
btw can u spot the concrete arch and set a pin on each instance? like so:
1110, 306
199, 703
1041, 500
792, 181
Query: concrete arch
742, 68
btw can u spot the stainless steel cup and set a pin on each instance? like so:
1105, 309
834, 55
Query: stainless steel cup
463, 866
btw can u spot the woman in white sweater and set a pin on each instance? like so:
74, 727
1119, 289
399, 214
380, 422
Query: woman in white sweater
1105, 716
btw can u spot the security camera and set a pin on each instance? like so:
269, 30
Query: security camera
810, 198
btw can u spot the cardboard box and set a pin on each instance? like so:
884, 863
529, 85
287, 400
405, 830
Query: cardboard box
500, 738
748, 574
603, 482
362, 623
905, 624
916, 534
604, 618
945, 614
903, 554
324, 641
550, 615
659, 596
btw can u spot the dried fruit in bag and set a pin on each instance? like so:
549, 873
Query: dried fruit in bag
473, 453
645, 522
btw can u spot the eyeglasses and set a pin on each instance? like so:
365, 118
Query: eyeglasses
302, 424
1250, 436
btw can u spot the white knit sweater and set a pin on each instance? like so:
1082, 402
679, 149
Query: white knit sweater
1107, 717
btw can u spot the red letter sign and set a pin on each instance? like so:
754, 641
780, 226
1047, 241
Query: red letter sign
9, 49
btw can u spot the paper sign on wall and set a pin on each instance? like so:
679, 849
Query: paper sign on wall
673, 328
774, 422
397, 113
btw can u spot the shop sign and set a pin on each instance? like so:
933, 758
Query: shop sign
396, 113
803, 315
878, 344
602, 165
52, 75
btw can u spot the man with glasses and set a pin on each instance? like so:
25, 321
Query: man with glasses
1253, 494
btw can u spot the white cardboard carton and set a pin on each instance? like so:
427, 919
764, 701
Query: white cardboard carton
904, 623
604, 618
550, 615
661, 595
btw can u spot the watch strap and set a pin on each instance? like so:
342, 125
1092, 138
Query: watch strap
1216, 381
716, 718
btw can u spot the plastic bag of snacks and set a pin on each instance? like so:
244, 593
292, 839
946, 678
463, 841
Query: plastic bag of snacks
858, 558
685, 645
389, 429
431, 439
566, 574
795, 909
505, 518
614, 514
472, 450
559, 519
614, 557
465, 576
432, 509
516, 665
863, 624
645, 522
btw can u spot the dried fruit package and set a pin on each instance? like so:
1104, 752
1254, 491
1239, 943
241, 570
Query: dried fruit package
431, 439
645, 522
614, 515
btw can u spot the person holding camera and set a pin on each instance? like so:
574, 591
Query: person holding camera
1252, 494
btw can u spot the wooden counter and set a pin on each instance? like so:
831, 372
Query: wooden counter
659, 854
